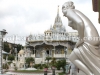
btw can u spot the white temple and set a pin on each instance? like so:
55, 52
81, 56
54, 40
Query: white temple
52, 43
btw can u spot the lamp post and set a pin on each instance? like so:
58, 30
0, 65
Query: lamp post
53, 68
2, 34
65, 53
67, 66
16, 56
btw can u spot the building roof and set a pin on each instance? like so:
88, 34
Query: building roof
3, 52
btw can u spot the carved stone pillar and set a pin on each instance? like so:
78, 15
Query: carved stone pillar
34, 50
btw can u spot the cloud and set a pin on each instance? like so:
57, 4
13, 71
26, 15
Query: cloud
22, 17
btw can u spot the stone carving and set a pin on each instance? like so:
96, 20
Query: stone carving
86, 54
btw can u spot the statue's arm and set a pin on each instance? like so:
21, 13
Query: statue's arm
76, 20
80, 29
93, 31
70, 22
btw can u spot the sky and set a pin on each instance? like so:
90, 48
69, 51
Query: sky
21, 18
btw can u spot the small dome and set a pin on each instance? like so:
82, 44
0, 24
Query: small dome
21, 52
48, 31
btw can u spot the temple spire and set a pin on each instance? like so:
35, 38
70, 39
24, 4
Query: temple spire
58, 21
58, 10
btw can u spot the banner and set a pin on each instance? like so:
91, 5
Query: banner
96, 7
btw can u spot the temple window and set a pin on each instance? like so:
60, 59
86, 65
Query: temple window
50, 34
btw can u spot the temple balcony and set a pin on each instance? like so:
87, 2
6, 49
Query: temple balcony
68, 38
60, 55
32, 55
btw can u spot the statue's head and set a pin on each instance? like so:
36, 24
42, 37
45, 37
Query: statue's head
67, 5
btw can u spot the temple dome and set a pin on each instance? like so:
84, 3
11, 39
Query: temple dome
21, 52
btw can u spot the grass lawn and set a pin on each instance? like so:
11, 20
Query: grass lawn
30, 71
62, 73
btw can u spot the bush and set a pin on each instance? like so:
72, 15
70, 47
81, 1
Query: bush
58, 65
63, 64
41, 67
29, 61
45, 66
38, 66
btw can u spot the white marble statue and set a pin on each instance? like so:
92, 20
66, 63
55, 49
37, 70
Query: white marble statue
86, 54
11, 66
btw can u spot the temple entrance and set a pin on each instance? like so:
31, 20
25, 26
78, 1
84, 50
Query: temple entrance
47, 52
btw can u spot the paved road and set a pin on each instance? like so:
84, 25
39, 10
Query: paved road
13, 73
80, 73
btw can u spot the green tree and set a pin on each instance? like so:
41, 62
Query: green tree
53, 62
11, 57
6, 47
63, 64
48, 58
4, 56
29, 61
19, 47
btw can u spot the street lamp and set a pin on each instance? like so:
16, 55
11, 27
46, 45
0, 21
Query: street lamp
16, 56
2, 34
67, 66
65, 53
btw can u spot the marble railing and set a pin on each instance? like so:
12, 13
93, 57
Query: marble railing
68, 38
60, 55
33, 55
